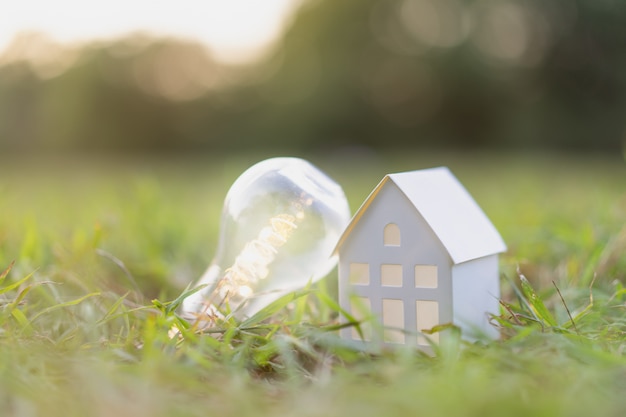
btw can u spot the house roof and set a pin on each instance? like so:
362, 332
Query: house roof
451, 212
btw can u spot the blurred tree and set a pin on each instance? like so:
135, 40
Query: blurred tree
135, 94
19, 93
379, 73
451, 72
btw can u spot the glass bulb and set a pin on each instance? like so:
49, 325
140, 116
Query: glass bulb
280, 222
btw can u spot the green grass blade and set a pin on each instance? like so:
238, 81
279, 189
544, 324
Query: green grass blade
590, 305
334, 306
273, 308
21, 296
19, 316
536, 303
116, 305
173, 305
63, 305
4, 273
15, 284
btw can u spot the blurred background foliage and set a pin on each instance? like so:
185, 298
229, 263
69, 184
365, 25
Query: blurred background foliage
498, 74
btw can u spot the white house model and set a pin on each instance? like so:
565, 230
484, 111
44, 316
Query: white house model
419, 253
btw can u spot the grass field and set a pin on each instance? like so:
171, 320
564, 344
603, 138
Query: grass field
96, 250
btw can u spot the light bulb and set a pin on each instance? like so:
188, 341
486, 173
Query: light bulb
280, 222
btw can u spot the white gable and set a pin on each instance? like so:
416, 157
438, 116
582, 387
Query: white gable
455, 218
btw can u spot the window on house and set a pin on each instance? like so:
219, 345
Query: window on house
360, 308
391, 275
359, 274
427, 318
393, 320
426, 276
391, 235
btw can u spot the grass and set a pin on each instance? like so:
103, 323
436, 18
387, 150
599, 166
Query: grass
96, 254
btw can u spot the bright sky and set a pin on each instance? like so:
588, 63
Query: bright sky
235, 30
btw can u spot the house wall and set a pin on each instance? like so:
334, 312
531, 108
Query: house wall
476, 295
418, 245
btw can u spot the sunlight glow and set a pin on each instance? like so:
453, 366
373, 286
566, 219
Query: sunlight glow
234, 30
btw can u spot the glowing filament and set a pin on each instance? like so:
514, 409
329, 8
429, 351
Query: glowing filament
251, 265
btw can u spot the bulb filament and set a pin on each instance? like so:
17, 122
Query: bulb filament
251, 265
